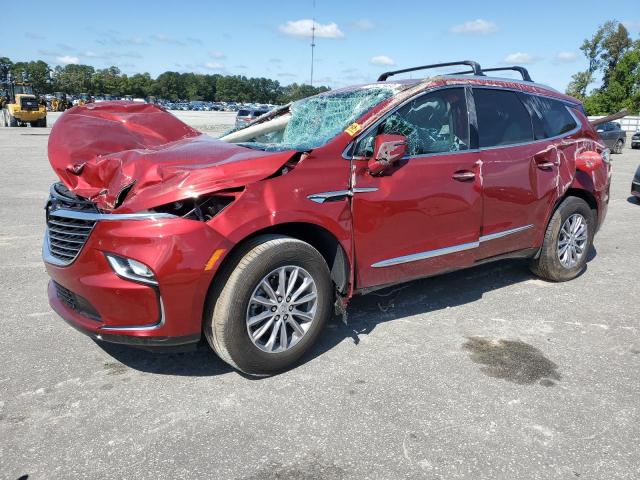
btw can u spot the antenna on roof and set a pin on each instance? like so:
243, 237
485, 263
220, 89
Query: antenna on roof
313, 38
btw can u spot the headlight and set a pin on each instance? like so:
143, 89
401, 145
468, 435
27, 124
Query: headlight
131, 269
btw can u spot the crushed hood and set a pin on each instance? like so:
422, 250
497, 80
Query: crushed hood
130, 157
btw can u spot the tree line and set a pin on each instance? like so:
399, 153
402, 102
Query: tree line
613, 65
174, 86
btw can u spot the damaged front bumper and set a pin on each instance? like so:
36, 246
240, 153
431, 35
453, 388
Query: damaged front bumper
87, 292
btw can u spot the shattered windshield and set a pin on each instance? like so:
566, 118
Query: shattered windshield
313, 121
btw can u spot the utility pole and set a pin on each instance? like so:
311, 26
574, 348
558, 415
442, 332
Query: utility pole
313, 38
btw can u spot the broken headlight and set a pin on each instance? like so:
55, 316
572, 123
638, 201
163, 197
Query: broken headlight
198, 208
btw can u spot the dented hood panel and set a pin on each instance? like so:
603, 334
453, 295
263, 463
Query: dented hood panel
105, 150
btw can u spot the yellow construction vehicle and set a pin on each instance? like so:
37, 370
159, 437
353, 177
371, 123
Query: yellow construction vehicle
60, 102
21, 106
84, 99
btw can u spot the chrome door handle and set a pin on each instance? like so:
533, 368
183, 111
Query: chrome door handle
545, 165
463, 176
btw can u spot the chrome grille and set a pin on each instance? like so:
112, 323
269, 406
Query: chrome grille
67, 232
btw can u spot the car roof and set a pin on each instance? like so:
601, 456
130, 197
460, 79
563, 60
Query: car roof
499, 82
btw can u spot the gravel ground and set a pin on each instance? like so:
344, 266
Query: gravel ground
487, 373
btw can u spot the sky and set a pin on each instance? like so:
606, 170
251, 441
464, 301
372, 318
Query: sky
355, 40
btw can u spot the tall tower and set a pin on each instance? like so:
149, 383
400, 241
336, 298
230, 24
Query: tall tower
313, 38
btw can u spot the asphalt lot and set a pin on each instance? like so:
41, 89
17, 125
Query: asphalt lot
487, 373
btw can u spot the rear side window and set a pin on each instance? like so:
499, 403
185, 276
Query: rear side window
502, 118
244, 113
553, 115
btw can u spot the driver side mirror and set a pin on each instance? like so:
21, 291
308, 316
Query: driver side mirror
387, 150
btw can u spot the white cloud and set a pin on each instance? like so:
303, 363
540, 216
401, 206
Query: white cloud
214, 66
302, 29
520, 58
477, 27
217, 55
566, 57
67, 59
382, 60
364, 24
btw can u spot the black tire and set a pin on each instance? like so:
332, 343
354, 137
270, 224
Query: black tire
548, 265
11, 120
225, 317
42, 123
617, 148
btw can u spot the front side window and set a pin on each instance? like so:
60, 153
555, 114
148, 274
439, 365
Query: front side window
502, 118
433, 123
553, 115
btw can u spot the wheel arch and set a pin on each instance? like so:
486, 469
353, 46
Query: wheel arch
318, 237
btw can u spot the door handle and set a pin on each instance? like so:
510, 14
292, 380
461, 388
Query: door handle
545, 165
463, 176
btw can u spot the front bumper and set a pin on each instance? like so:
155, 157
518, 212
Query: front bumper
29, 115
106, 307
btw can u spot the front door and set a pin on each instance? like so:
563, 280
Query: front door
423, 216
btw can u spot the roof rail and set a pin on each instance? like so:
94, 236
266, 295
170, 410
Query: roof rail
475, 68
523, 71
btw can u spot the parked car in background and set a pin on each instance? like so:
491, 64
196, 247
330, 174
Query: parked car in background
246, 116
255, 239
612, 135
635, 140
635, 184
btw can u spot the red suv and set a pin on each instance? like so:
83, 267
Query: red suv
158, 233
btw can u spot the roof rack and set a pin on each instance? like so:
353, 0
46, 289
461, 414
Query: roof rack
475, 68
523, 71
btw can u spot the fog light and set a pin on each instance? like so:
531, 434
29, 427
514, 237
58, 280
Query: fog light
131, 269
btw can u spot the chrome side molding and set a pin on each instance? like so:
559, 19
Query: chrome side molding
338, 194
447, 250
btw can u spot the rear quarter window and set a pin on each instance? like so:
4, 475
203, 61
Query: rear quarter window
244, 113
553, 116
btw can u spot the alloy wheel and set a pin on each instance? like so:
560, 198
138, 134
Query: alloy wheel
572, 240
281, 309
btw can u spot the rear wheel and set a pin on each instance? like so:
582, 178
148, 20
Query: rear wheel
617, 148
567, 242
270, 305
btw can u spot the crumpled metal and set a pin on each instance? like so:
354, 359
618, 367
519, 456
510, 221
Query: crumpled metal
129, 157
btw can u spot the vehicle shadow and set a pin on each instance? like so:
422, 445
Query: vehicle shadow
365, 312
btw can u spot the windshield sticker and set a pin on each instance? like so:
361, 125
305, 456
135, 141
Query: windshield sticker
353, 129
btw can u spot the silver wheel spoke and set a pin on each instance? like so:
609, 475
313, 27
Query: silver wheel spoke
262, 330
572, 240
307, 298
283, 336
292, 280
259, 317
302, 314
267, 288
267, 302
282, 282
305, 283
296, 326
272, 338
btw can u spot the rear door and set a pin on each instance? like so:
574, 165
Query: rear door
524, 157
511, 201
422, 217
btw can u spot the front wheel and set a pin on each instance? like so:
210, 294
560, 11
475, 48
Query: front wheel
269, 306
567, 242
